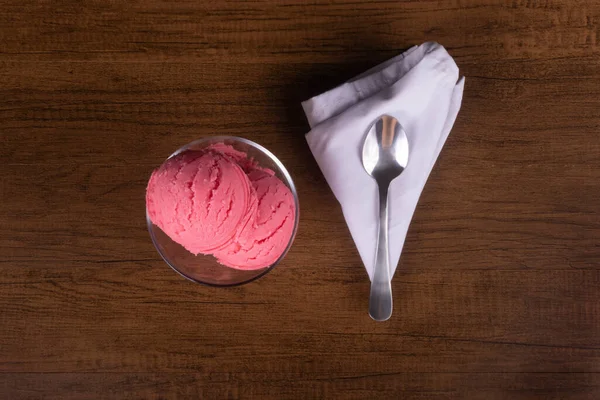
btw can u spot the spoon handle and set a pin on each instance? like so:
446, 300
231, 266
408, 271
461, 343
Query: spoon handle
380, 300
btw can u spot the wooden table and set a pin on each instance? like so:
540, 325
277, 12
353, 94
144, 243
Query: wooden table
498, 289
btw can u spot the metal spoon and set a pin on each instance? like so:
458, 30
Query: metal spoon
385, 155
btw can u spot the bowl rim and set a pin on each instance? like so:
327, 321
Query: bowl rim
289, 183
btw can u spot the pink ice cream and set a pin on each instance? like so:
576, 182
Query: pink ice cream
200, 199
261, 243
217, 201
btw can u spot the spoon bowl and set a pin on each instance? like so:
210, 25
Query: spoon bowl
385, 148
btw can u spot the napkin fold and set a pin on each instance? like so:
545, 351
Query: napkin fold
422, 89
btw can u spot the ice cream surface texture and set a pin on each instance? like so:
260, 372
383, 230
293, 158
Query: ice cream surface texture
218, 201
262, 242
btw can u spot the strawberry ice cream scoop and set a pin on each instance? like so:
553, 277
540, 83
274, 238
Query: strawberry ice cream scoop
261, 243
200, 199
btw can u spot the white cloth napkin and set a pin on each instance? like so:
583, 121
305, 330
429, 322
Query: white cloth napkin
422, 89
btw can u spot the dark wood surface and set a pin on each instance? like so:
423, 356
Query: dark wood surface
498, 291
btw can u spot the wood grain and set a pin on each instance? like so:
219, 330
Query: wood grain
498, 289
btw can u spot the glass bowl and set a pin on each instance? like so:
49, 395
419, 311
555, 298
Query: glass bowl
205, 269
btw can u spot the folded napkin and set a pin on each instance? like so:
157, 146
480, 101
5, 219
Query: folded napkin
422, 89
